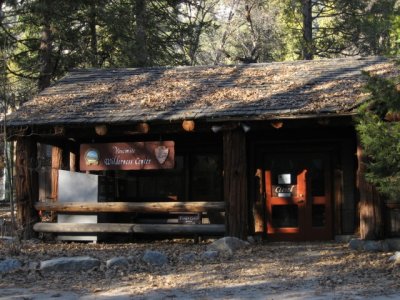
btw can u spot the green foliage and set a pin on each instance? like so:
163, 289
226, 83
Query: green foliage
380, 138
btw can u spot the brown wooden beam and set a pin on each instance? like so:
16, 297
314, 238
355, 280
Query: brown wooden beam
56, 164
235, 183
143, 207
130, 228
179, 228
83, 228
26, 185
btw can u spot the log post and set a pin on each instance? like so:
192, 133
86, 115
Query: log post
59, 161
26, 185
56, 164
258, 205
235, 183
370, 206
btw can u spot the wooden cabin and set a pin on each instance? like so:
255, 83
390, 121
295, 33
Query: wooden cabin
258, 149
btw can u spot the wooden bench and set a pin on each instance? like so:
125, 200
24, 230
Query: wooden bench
130, 207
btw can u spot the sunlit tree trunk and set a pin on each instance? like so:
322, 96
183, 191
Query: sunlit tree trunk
141, 38
93, 34
307, 43
46, 47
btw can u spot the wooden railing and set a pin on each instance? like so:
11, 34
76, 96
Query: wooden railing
126, 207
123, 207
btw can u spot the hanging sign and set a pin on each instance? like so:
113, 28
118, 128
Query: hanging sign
127, 156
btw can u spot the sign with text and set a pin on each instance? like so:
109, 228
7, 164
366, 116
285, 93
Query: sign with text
284, 190
127, 156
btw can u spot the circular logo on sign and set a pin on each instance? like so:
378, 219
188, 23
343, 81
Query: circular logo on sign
92, 157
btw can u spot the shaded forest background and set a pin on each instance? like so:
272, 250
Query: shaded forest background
40, 40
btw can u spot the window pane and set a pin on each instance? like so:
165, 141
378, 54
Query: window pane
284, 216
206, 178
318, 215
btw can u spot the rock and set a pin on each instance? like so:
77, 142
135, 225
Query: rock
227, 245
344, 238
395, 258
393, 244
154, 258
376, 246
367, 245
210, 255
251, 239
78, 263
188, 257
33, 265
356, 244
120, 262
9, 265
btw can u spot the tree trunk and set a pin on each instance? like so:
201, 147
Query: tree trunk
371, 217
46, 47
93, 34
235, 183
26, 185
141, 38
307, 45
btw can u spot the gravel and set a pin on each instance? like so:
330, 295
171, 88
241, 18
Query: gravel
260, 271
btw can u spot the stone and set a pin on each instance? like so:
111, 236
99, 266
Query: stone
369, 245
77, 263
394, 244
210, 255
154, 258
118, 262
344, 238
33, 265
9, 265
356, 244
376, 246
227, 245
188, 257
395, 258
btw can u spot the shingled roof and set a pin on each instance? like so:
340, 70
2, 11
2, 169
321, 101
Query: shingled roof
254, 91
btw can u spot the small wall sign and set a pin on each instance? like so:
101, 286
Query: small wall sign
127, 156
284, 179
189, 219
284, 191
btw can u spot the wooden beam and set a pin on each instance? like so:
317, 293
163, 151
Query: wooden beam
371, 205
143, 207
83, 228
188, 125
130, 228
56, 164
259, 204
338, 200
179, 228
26, 184
235, 183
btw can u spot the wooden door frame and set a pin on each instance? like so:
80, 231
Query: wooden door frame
262, 148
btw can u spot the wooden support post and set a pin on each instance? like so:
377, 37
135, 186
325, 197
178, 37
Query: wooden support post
338, 198
235, 183
26, 185
56, 164
258, 206
371, 218
59, 161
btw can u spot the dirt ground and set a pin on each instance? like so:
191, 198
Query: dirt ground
261, 271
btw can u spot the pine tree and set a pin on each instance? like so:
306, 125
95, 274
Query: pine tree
379, 131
